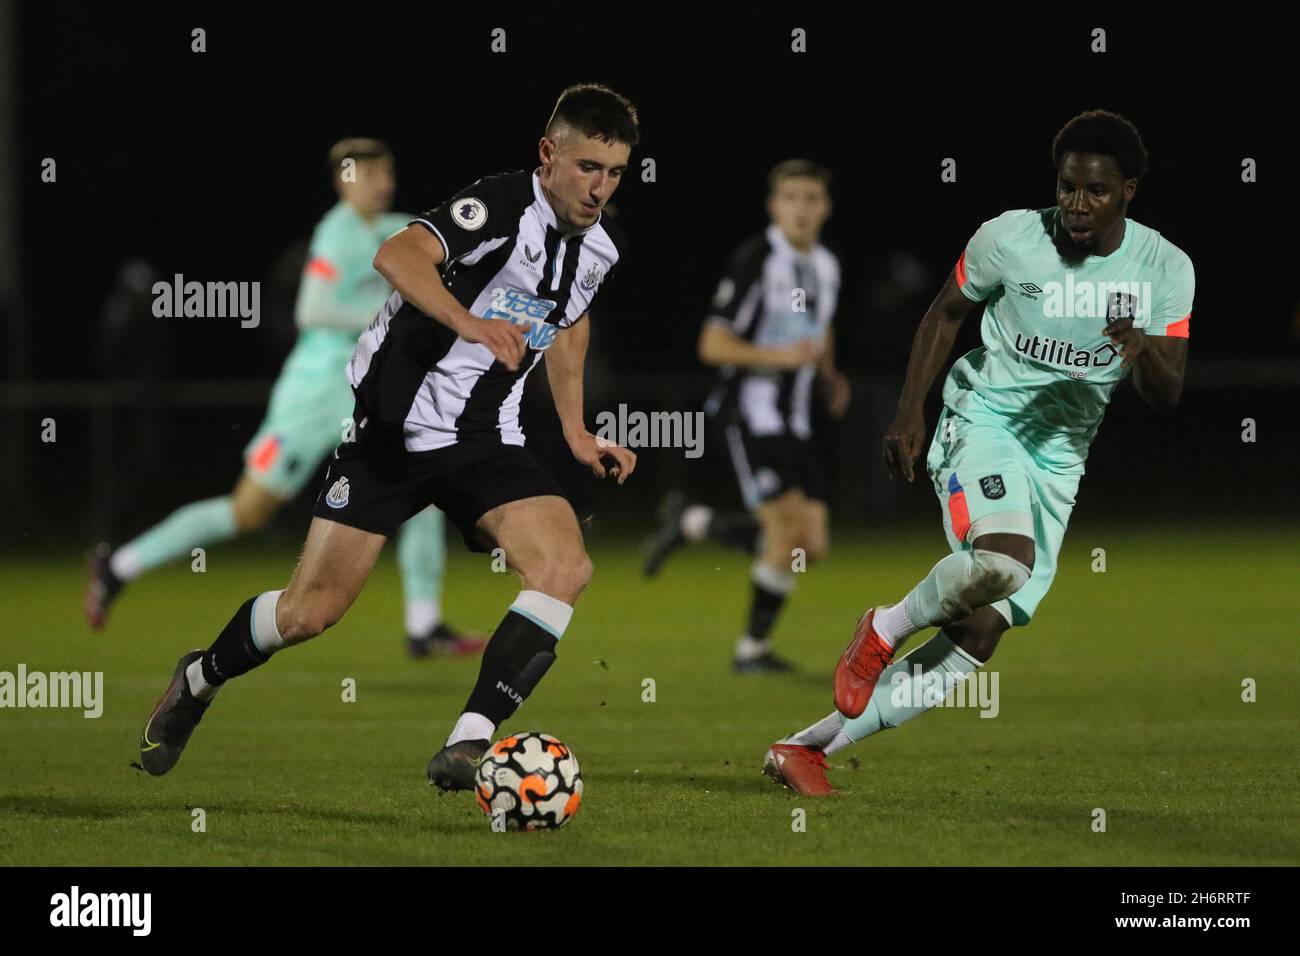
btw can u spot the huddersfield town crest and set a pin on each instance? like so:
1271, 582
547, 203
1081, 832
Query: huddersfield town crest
592, 278
1121, 305
993, 487
338, 494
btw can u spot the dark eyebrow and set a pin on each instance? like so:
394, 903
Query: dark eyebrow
596, 162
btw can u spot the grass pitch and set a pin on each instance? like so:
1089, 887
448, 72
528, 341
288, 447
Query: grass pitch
1125, 694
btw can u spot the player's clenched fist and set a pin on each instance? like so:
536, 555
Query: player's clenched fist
1131, 342
902, 443
504, 340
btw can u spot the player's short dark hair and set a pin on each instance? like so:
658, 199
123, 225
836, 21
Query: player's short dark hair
596, 111
803, 168
356, 148
1106, 134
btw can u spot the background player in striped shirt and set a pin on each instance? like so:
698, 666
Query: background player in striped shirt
485, 284
1076, 297
311, 406
770, 336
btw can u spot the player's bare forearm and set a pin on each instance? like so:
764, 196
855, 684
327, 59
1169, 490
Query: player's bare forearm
826, 362
932, 344
409, 261
930, 350
721, 346
565, 360
1159, 369
564, 364
835, 385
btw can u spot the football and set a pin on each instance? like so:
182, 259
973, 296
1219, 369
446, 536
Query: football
532, 781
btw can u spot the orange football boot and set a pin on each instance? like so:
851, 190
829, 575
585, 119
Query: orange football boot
802, 769
859, 668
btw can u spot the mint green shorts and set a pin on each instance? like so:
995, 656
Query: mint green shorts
988, 483
311, 406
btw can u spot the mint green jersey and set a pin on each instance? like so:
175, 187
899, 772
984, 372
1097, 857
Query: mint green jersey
1045, 372
340, 288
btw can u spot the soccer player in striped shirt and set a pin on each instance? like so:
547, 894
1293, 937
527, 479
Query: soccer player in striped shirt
310, 407
1077, 296
770, 336
487, 283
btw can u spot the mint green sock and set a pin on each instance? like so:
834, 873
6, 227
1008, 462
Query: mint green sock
901, 694
196, 525
422, 557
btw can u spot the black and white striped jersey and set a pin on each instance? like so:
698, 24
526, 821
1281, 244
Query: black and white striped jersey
759, 299
505, 259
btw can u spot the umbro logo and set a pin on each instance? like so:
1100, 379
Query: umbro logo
1030, 291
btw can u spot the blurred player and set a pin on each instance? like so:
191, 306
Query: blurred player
770, 334
310, 405
1077, 296
502, 272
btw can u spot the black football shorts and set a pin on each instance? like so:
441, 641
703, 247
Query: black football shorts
767, 466
376, 485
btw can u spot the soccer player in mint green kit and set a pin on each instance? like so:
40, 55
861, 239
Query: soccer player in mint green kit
311, 406
1076, 297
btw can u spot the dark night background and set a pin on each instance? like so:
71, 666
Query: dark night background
212, 165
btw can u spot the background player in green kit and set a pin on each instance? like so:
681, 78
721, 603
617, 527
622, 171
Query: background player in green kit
1076, 297
311, 406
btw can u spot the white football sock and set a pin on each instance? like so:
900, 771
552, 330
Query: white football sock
422, 616
695, 522
893, 624
819, 734
471, 727
125, 564
748, 649
841, 741
198, 686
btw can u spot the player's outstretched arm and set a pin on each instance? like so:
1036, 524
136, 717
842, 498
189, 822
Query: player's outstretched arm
835, 384
565, 360
409, 260
720, 346
930, 350
320, 302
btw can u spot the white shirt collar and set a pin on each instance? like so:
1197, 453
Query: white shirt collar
778, 240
